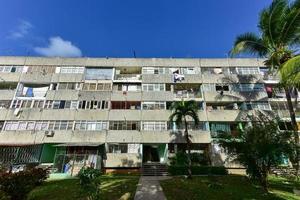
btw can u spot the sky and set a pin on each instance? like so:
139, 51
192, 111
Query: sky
118, 28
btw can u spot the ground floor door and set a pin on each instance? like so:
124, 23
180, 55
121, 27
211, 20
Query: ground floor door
150, 153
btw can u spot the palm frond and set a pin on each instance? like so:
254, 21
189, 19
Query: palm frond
176, 117
193, 114
249, 43
290, 72
181, 109
291, 29
271, 21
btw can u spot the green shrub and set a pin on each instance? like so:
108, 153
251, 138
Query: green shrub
218, 171
18, 185
181, 158
4, 196
197, 170
90, 182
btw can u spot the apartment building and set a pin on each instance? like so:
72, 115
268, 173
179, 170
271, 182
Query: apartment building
114, 112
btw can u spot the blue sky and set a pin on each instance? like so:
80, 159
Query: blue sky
116, 28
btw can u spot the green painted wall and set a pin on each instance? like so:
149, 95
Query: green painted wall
161, 152
48, 153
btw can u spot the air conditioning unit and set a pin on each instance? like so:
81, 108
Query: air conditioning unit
49, 133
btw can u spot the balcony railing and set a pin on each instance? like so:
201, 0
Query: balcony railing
271, 77
32, 94
187, 94
128, 77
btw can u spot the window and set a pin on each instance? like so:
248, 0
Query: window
30, 125
212, 70
11, 69
93, 73
56, 104
222, 87
68, 86
74, 105
41, 125
154, 126
127, 87
247, 70
124, 125
96, 86
191, 126
248, 87
90, 125
133, 105
48, 104
153, 70
92, 105
156, 105
117, 148
38, 125
258, 106
188, 70
72, 70
154, 87
38, 103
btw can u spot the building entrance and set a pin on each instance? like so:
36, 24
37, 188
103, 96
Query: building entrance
150, 153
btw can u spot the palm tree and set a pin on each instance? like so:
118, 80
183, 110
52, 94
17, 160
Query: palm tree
278, 41
181, 111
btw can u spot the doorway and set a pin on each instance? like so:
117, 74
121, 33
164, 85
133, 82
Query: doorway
150, 153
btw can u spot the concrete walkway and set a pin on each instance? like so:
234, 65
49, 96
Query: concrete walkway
149, 188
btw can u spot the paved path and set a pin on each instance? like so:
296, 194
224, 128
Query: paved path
149, 188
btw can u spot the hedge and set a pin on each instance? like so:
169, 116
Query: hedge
197, 170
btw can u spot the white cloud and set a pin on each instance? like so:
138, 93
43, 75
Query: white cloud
59, 47
21, 30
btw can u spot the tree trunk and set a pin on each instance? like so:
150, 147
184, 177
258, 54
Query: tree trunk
189, 149
264, 181
294, 125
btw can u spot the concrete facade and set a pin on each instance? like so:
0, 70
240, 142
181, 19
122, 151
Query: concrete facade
133, 109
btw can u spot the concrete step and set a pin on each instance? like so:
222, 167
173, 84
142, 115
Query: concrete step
154, 169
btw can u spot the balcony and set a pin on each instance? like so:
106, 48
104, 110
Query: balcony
32, 90
270, 78
128, 74
187, 91
185, 94
128, 78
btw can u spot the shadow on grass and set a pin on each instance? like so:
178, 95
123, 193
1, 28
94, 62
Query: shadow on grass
112, 188
223, 187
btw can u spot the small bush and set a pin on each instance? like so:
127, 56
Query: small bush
197, 170
181, 158
90, 182
18, 185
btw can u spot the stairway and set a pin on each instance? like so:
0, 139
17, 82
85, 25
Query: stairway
154, 169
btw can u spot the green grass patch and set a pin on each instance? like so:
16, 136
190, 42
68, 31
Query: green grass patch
112, 187
226, 187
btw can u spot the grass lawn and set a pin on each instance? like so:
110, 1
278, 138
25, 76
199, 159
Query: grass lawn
225, 187
112, 187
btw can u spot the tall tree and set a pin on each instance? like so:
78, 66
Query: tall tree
278, 41
259, 147
181, 111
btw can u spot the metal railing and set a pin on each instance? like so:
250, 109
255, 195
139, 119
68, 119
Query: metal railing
131, 77
187, 94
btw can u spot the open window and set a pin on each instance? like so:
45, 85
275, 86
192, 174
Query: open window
222, 87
